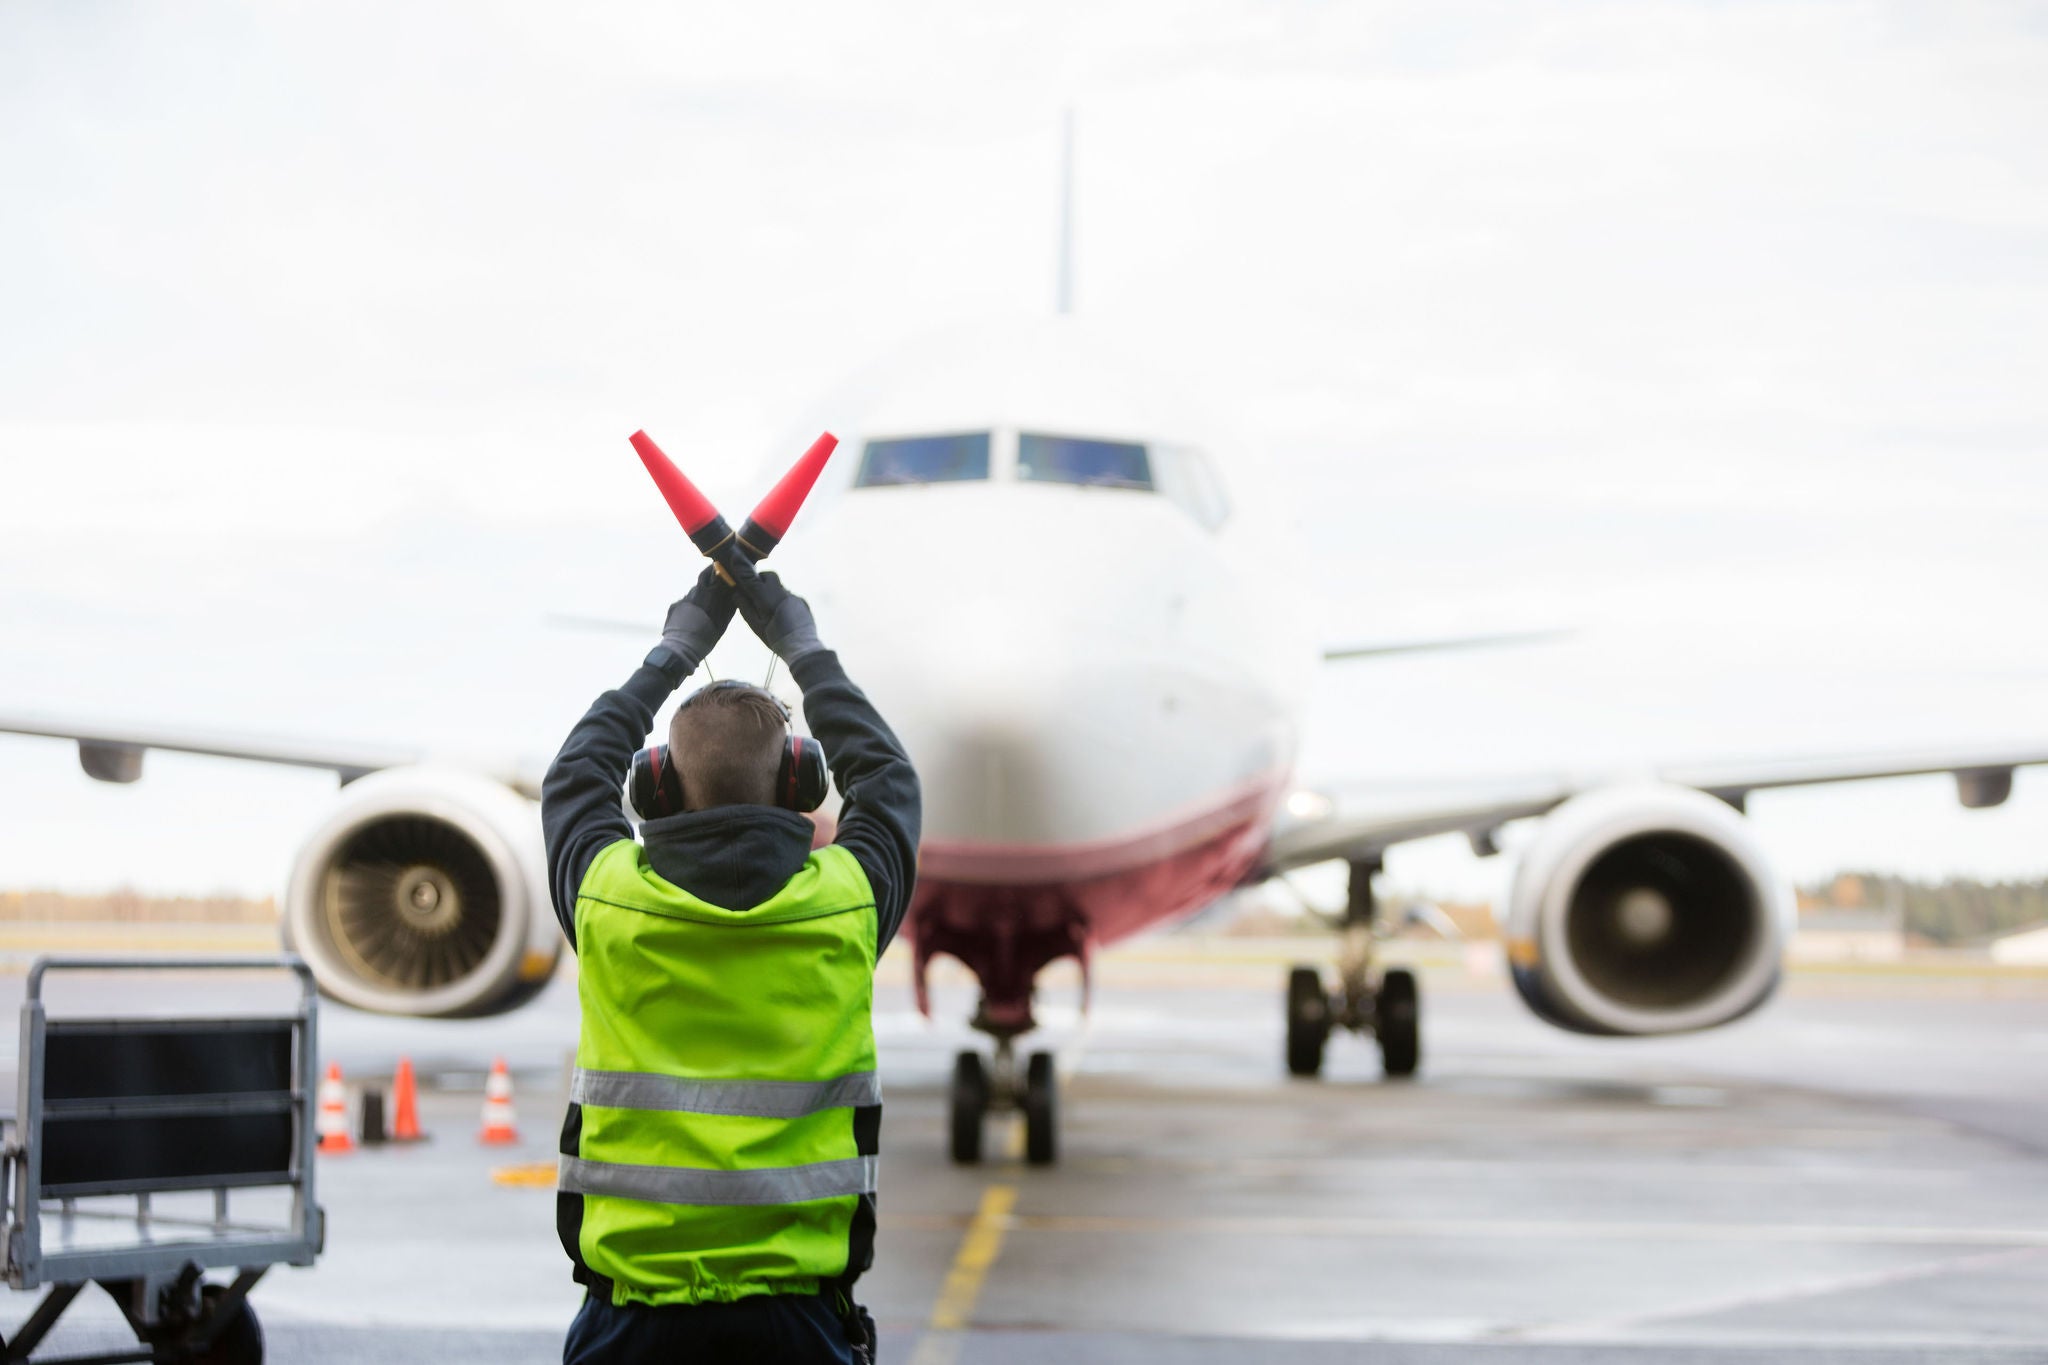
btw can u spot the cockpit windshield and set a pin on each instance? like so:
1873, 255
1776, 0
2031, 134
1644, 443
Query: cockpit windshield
1180, 474
1076, 459
924, 459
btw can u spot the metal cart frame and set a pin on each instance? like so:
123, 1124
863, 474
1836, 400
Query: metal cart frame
156, 1105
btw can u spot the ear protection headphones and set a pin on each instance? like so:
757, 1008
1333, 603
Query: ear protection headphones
655, 788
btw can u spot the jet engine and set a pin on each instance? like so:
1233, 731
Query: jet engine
1645, 909
424, 893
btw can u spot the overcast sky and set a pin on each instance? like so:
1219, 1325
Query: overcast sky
1713, 330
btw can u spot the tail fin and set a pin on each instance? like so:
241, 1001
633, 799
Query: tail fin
1065, 301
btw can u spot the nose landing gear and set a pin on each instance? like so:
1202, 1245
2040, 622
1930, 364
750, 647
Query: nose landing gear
979, 1090
1391, 1009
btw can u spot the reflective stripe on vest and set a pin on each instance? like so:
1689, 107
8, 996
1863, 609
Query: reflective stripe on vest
757, 1099
686, 1185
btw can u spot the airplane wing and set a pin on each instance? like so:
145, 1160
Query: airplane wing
1983, 775
113, 753
1361, 822
1379, 649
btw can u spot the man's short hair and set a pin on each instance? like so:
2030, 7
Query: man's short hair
726, 742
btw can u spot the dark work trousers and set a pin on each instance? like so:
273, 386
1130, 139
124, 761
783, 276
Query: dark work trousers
799, 1329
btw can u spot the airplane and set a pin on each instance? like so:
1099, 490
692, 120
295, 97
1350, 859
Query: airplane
1055, 579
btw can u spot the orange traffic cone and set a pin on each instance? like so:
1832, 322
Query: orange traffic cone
498, 1120
405, 1104
332, 1122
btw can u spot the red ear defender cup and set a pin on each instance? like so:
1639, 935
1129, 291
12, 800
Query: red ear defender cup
654, 789
800, 786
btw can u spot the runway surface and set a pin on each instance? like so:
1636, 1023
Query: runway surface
1860, 1172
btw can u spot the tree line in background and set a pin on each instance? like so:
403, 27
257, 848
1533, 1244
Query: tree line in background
1954, 911
127, 906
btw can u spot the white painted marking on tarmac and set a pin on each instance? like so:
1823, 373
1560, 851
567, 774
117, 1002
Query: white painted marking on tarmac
1688, 1096
2029, 1240
1626, 1326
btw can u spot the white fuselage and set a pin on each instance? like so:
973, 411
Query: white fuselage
1072, 669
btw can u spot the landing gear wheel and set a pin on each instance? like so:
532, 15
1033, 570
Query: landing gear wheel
969, 1107
1308, 1021
1397, 1018
1041, 1111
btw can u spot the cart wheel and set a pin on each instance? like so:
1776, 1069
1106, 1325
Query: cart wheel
239, 1340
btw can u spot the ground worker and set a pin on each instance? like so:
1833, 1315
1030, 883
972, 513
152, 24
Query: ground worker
718, 1159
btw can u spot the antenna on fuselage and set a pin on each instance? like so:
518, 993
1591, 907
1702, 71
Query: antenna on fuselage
1065, 302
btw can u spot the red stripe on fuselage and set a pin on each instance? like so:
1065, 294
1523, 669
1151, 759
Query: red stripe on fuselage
1000, 864
1006, 931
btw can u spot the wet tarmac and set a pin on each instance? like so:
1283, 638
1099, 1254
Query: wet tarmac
1859, 1172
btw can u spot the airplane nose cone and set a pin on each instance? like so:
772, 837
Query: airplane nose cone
999, 733
1054, 665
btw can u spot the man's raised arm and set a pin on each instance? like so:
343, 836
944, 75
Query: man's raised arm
580, 814
882, 807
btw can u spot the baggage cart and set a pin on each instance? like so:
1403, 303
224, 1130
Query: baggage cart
132, 1137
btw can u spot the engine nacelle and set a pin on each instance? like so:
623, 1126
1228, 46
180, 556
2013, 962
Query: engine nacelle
425, 893
1644, 909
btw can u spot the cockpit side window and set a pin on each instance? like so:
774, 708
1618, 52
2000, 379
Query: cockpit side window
1188, 478
957, 458
1080, 460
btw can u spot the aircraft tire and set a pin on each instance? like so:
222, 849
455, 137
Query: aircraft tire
1308, 1021
1397, 1018
969, 1107
1041, 1110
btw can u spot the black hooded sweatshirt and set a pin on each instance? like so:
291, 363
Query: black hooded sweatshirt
735, 856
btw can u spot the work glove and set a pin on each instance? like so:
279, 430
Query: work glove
777, 615
696, 622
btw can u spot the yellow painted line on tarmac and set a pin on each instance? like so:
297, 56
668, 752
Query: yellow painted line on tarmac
532, 1175
978, 1251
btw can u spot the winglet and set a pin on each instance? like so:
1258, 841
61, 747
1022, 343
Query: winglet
770, 521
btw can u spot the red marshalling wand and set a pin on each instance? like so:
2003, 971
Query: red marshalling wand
708, 530
770, 519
